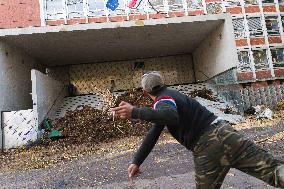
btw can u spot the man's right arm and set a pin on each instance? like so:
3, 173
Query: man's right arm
148, 144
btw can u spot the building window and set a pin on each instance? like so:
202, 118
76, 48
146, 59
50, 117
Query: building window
120, 10
239, 28
255, 27
231, 3
139, 7
214, 8
282, 19
54, 10
251, 2
175, 5
194, 4
158, 5
267, 1
277, 57
157, 2
244, 61
260, 59
272, 25
75, 9
96, 8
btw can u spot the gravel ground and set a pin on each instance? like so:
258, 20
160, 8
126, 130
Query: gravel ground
169, 165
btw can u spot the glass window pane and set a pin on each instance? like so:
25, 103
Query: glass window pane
54, 9
194, 4
260, 59
75, 9
277, 57
267, 1
96, 8
251, 2
244, 61
272, 25
175, 5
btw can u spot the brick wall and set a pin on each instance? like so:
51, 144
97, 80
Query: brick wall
242, 76
19, 13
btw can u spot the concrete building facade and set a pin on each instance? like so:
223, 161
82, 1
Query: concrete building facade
46, 45
258, 24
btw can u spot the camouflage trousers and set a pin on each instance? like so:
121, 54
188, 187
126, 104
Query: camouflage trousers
222, 148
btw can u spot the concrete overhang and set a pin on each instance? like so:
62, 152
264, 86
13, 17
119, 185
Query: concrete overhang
100, 42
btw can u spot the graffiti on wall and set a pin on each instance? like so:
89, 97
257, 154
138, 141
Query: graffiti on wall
19, 128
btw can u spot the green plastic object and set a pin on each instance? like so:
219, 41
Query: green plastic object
47, 125
53, 133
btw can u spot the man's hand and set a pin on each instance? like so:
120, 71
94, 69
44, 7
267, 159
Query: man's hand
124, 110
133, 170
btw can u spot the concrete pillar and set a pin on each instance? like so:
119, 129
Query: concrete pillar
15, 79
216, 53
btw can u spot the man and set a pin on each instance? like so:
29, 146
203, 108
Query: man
216, 146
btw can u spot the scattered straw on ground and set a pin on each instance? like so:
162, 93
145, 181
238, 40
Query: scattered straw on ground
93, 132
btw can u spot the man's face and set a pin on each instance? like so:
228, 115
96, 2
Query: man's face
145, 93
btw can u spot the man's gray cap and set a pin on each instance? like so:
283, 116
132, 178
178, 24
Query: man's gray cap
151, 81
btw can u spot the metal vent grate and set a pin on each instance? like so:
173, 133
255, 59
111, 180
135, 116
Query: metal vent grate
238, 24
255, 26
239, 29
254, 23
